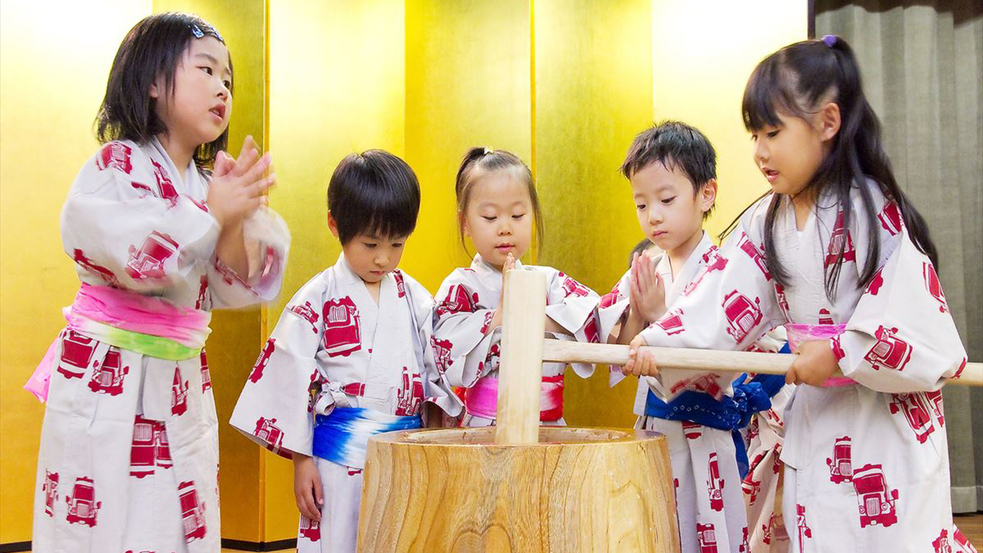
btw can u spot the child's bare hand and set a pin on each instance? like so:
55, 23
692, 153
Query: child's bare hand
497, 317
236, 188
307, 487
641, 362
647, 291
813, 365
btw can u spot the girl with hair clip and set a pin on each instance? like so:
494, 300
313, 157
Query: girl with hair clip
496, 207
129, 447
838, 254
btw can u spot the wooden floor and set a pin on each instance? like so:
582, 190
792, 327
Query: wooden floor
972, 526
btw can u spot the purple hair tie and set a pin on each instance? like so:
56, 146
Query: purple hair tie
829, 40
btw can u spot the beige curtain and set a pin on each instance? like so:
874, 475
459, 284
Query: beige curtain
921, 63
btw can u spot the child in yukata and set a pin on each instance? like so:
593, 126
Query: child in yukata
351, 356
839, 254
497, 205
163, 227
672, 170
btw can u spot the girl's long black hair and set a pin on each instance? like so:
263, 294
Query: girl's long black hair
795, 81
152, 49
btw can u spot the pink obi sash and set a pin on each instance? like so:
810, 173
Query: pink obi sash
145, 324
798, 333
481, 400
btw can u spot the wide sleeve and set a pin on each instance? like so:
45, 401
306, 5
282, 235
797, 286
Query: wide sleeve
437, 387
613, 306
574, 307
462, 351
274, 408
730, 305
901, 336
119, 229
267, 245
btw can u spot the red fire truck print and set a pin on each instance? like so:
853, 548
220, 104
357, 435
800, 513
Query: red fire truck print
459, 300
914, 407
745, 546
935, 400
802, 525
591, 332
206, 375
782, 301
825, 317
941, 543
108, 377
672, 322
441, 353
164, 186
76, 354
269, 433
410, 395
841, 464
82, 504
487, 322
609, 299
706, 383
573, 288
933, 286
708, 539
875, 283
148, 261
715, 484
202, 291
713, 262
50, 490
79, 257
890, 218
307, 313
115, 155
149, 449
889, 352
341, 327
192, 512
742, 314
840, 241
963, 542
179, 394
875, 500
691, 430
310, 529
263, 361
400, 285
752, 251
751, 488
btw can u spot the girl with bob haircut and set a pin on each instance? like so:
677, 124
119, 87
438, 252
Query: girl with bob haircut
496, 208
838, 254
163, 227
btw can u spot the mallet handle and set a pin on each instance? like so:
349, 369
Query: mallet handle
702, 359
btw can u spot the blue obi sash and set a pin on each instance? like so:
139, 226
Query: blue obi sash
730, 413
343, 435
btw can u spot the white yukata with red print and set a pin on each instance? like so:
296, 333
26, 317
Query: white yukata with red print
129, 447
867, 465
465, 354
704, 465
765, 436
335, 347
